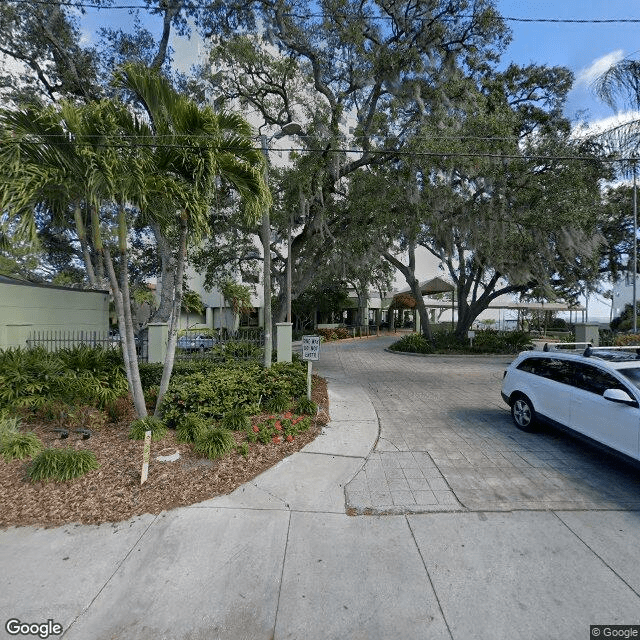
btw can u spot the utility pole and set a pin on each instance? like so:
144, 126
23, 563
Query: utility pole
265, 237
635, 249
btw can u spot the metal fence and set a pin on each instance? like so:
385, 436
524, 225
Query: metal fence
242, 344
54, 340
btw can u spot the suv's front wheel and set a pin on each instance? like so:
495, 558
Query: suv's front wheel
523, 413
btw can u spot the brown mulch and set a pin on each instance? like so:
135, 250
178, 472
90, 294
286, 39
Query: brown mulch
113, 492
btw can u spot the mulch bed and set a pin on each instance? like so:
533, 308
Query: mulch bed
113, 492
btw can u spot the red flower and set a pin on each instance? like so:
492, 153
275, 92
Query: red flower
288, 415
277, 439
278, 426
256, 428
289, 438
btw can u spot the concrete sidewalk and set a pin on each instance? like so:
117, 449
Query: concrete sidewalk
280, 558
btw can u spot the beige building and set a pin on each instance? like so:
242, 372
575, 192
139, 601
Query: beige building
27, 307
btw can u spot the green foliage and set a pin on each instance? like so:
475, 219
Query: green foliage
189, 427
18, 446
121, 410
624, 322
84, 417
306, 406
225, 387
488, 341
412, 343
278, 429
214, 442
278, 403
82, 375
243, 449
235, 419
150, 423
61, 464
237, 295
235, 349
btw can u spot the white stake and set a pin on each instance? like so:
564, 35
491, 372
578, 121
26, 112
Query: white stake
146, 452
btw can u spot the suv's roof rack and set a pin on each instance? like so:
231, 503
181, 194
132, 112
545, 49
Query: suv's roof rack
590, 350
554, 345
631, 348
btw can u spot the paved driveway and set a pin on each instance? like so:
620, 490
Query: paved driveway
447, 442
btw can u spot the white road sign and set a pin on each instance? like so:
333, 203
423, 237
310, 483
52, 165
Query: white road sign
311, 347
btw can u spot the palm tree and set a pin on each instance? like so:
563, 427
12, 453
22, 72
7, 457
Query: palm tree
103, 154
620, 85
194, 148
65, 155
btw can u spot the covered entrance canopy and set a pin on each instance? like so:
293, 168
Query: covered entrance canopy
439, 285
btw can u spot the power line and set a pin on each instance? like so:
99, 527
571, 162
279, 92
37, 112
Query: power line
89, 5
389, 152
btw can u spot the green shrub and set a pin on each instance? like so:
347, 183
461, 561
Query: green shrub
222, 388
412, 343
243, 449
487, 341
242, 349
214, 442
18, 446
150, 423
277, 404
29, 378
121, 410
235, 419
61, 464
85, 417
189, 427
306, 406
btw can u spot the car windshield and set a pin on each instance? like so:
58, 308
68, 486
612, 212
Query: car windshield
632, 374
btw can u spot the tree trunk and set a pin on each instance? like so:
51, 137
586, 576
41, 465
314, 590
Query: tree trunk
167, 276
265, 237
97, 243
84, 245
175, 314
128, 344
138, 397
408, 271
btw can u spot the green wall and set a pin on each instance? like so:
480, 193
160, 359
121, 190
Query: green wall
25, 308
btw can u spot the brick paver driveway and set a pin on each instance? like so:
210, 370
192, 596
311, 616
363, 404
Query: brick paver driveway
447, 441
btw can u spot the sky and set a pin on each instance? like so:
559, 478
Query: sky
586, 49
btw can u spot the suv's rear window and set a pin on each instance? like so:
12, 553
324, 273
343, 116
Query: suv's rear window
552, 368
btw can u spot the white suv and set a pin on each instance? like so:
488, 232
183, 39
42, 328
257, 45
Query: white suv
596, 394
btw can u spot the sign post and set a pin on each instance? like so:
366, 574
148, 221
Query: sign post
310, 352
146, 451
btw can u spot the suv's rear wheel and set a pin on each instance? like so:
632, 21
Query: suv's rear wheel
523, 413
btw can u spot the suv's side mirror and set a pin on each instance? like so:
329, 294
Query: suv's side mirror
618, 395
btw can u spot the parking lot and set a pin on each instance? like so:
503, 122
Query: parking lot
447, 442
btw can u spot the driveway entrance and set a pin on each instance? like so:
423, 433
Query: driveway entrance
447, 441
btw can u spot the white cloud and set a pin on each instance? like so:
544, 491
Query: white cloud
587, 75
605, 124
